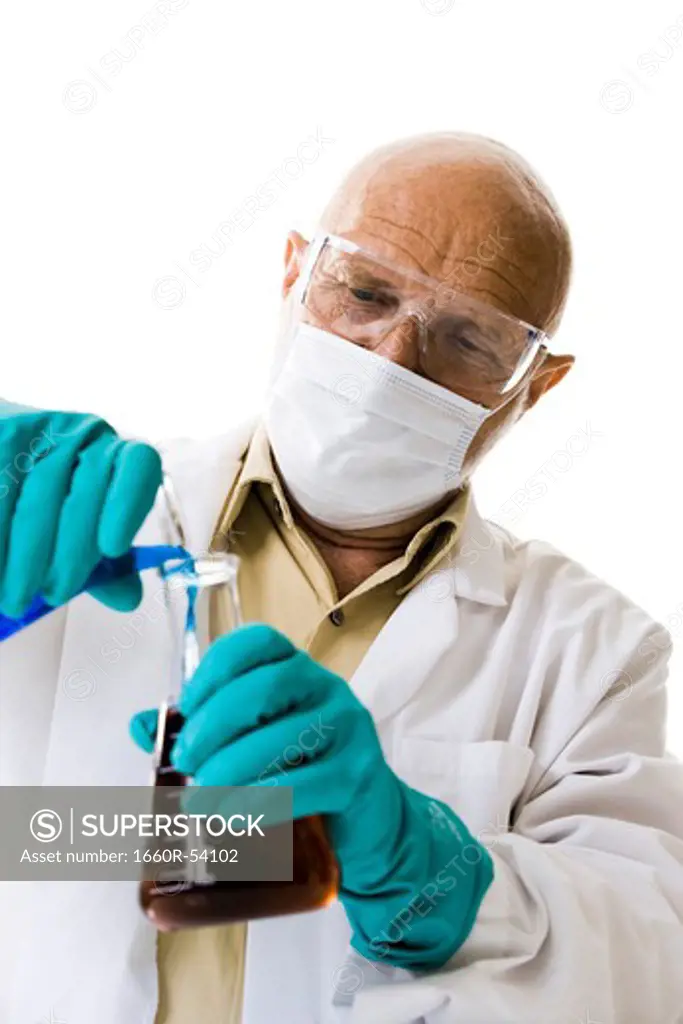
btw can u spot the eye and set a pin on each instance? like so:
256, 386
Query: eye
363, 294
462, 344
468, 345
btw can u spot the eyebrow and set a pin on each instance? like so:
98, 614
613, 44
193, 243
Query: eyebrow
350, 267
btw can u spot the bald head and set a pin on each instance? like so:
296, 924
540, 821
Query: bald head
465, 210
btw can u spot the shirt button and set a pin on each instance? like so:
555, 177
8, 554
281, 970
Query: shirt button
336, 617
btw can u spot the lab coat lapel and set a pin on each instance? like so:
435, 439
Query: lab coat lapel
405, 651
202, 475
425, 624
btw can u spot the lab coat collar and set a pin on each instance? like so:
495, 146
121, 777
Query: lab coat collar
477, 570
203, 473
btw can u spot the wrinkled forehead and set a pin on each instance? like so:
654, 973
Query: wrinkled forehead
462, 225
375, 264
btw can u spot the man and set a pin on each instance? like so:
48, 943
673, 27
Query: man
485, 719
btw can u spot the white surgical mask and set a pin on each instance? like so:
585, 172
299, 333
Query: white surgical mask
359, 440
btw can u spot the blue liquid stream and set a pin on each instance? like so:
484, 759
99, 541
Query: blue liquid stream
150, 556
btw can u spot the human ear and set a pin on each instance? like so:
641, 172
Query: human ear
294, 255
550, 373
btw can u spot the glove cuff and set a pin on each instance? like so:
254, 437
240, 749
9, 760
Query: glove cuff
421, 906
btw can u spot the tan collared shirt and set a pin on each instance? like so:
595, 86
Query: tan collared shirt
284, 581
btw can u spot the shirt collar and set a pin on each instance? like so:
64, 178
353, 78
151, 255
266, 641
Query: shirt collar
257, 467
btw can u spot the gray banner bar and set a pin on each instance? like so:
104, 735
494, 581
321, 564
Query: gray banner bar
122, 833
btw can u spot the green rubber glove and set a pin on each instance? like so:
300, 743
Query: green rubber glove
258, 710
71, 491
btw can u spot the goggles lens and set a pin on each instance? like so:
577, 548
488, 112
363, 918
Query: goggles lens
462, 344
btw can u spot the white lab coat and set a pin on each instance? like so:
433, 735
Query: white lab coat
512, 684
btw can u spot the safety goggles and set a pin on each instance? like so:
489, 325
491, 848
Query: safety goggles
461, 343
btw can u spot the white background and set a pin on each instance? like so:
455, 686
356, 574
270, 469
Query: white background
115, 171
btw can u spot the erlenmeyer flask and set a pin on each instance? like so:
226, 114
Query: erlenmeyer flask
171, 904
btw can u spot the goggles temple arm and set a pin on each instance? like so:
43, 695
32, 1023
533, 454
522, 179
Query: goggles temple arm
313, 252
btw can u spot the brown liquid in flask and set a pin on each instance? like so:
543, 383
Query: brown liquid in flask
171, 905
